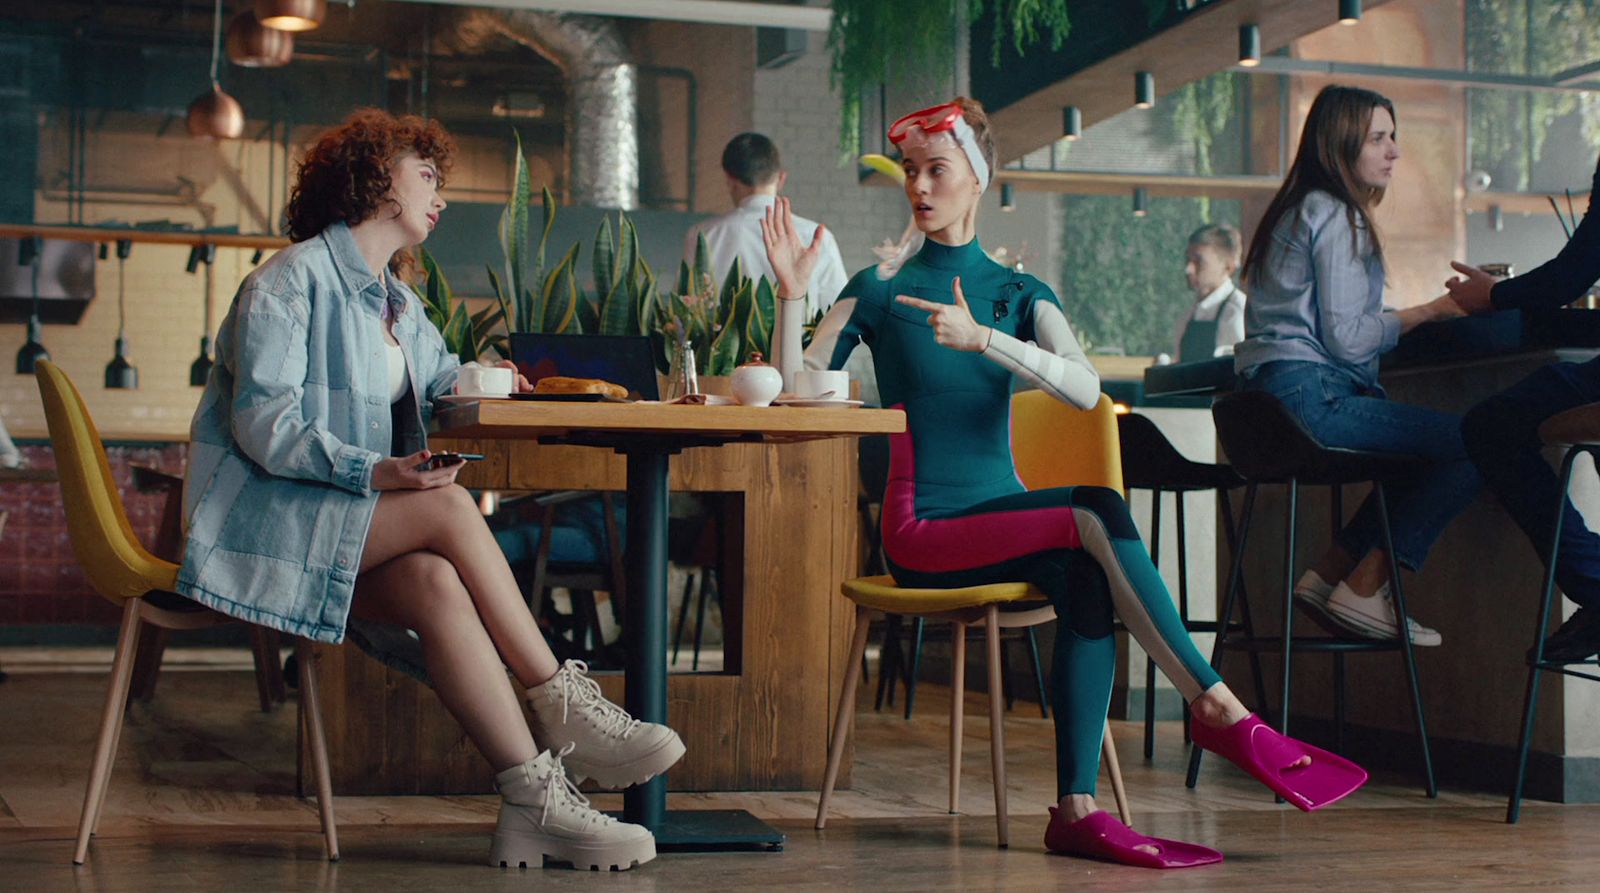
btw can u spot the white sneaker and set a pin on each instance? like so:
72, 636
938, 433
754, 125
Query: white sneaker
610, 746
1374, 617
1311, 594
542, 815
1313, 591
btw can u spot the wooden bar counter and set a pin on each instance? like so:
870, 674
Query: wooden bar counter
762, 724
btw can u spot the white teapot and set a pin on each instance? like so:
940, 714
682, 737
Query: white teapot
756, 383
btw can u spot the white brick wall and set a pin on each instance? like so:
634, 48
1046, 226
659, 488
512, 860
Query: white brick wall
795, 107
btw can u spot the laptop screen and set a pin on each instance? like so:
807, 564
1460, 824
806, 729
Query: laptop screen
621, 359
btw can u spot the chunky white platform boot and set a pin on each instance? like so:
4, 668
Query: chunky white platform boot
543, 816
609, 746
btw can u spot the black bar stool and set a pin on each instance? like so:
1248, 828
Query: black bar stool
1268, 445
1579, 428
1151, 462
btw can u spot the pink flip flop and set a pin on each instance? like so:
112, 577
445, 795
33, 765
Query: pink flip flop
1099, 836
1262, 751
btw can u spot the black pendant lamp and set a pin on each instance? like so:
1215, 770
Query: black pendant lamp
121, 374
200, 369
32, 350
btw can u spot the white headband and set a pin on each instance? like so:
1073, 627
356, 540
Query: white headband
967, 141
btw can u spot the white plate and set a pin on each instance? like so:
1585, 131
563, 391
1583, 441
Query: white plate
469, 398
819, 404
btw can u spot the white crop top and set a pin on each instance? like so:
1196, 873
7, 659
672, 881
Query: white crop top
398, 380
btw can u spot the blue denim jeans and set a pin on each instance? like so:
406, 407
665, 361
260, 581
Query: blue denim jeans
1341, 412
1502, 436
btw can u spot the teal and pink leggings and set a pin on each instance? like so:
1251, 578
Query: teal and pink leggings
1079, 545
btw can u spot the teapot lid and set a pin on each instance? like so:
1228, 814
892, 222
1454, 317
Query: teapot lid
755, 360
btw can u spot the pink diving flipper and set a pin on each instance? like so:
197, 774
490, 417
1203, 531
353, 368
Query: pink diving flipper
1269, 755
1099, 836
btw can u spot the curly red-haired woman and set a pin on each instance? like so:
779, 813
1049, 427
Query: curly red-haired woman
313, 500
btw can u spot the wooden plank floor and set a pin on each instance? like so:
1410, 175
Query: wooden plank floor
203, 799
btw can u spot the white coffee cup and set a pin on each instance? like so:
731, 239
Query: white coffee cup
822, 384
475, 380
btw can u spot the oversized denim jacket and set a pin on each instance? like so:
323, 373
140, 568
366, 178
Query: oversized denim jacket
296, 413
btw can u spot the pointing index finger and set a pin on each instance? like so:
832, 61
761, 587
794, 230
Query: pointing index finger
918, 303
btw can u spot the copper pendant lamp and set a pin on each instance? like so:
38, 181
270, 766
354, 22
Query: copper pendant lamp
254, 45
214, 114
291, 15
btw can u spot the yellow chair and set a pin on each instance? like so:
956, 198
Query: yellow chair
1054, 445
125, 573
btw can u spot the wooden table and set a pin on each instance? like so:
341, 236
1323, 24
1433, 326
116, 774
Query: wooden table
647, 435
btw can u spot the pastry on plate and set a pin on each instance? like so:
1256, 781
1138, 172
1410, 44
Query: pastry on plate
560, 384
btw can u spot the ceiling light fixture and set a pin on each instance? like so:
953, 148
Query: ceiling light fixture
1071, 122
1249, 45
214, 114
1144, 90
291, 15
254, 45
121, 374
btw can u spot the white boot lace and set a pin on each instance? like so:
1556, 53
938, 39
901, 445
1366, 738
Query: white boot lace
582, 691
558, 785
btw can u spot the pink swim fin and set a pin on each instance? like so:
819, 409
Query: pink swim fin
1262, 751
1099, 836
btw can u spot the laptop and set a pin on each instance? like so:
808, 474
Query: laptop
621, 359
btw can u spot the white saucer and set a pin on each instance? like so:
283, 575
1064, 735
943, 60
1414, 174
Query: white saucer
816, 403
471, 398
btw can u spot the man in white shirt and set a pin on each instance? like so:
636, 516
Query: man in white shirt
1216, 321
755, 176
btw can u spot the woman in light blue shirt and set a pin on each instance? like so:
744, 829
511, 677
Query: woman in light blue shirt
312, 498
1315, 326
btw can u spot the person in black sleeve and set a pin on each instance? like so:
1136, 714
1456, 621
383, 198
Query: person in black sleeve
1502, 432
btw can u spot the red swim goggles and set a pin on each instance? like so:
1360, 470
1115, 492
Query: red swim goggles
948, 118
929, 120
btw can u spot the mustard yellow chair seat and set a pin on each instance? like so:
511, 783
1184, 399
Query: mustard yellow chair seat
880, 594
125, 573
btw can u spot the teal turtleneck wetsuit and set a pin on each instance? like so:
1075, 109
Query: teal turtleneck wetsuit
955, 513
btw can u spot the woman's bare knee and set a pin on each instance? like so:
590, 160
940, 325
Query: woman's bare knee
418, 589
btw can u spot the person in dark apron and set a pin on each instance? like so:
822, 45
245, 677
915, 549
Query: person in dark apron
1216, 321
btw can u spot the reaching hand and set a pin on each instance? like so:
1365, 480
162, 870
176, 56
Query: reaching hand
792, 261
1470, 291
1447, 307
522, 385
406, 473
953, 325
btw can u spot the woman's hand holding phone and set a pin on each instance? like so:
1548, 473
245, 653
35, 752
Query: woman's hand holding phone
422, 470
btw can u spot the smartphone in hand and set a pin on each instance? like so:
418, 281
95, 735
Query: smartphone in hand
445, 460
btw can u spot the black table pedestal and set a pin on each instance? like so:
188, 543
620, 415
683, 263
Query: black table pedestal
645, 633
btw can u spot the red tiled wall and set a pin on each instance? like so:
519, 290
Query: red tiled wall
40, 580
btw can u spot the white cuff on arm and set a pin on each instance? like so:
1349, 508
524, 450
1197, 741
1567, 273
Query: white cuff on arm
1056, 365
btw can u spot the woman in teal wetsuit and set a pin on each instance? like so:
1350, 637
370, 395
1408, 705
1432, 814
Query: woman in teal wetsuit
948, 330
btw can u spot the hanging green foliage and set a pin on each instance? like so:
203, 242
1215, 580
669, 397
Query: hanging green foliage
903, 42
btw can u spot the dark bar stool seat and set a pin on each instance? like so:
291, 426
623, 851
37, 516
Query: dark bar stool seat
1268, 445
1580, 429
1151, 462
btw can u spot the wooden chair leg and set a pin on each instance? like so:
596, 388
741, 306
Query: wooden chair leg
105, 750
997, 725
847, 707
147, 664
958, 696
311, 708
1114, 770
